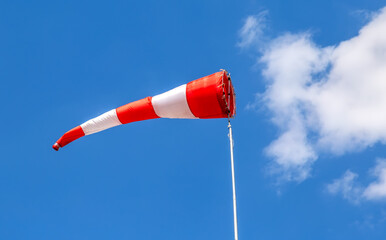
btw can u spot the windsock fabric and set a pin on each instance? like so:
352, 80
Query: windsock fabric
212, 96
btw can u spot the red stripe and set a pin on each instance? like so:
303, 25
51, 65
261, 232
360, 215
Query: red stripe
70, 136
136, 111
206, 97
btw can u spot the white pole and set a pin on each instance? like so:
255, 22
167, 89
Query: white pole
233, 182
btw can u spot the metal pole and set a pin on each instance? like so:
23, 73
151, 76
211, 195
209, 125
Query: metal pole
233, 181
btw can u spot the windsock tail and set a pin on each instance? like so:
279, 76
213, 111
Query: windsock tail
68, 137
132, 112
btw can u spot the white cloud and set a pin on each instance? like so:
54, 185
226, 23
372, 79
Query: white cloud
252, 31
347, 187
377, 190
292, 152
351, 190
323, 99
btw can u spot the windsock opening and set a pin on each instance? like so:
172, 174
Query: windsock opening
229, 94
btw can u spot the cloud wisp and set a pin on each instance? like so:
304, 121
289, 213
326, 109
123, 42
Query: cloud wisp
322, 99
348, 187
252, 32
377, 189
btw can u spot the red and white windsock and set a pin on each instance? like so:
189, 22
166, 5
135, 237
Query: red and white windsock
212, 96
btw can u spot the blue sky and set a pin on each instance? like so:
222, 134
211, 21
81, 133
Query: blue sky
309, 129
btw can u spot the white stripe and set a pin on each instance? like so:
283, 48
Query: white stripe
102, 122
172, 104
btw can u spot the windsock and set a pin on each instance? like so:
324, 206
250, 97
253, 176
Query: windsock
212, 96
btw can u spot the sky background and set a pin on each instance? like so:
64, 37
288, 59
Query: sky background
64, 62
